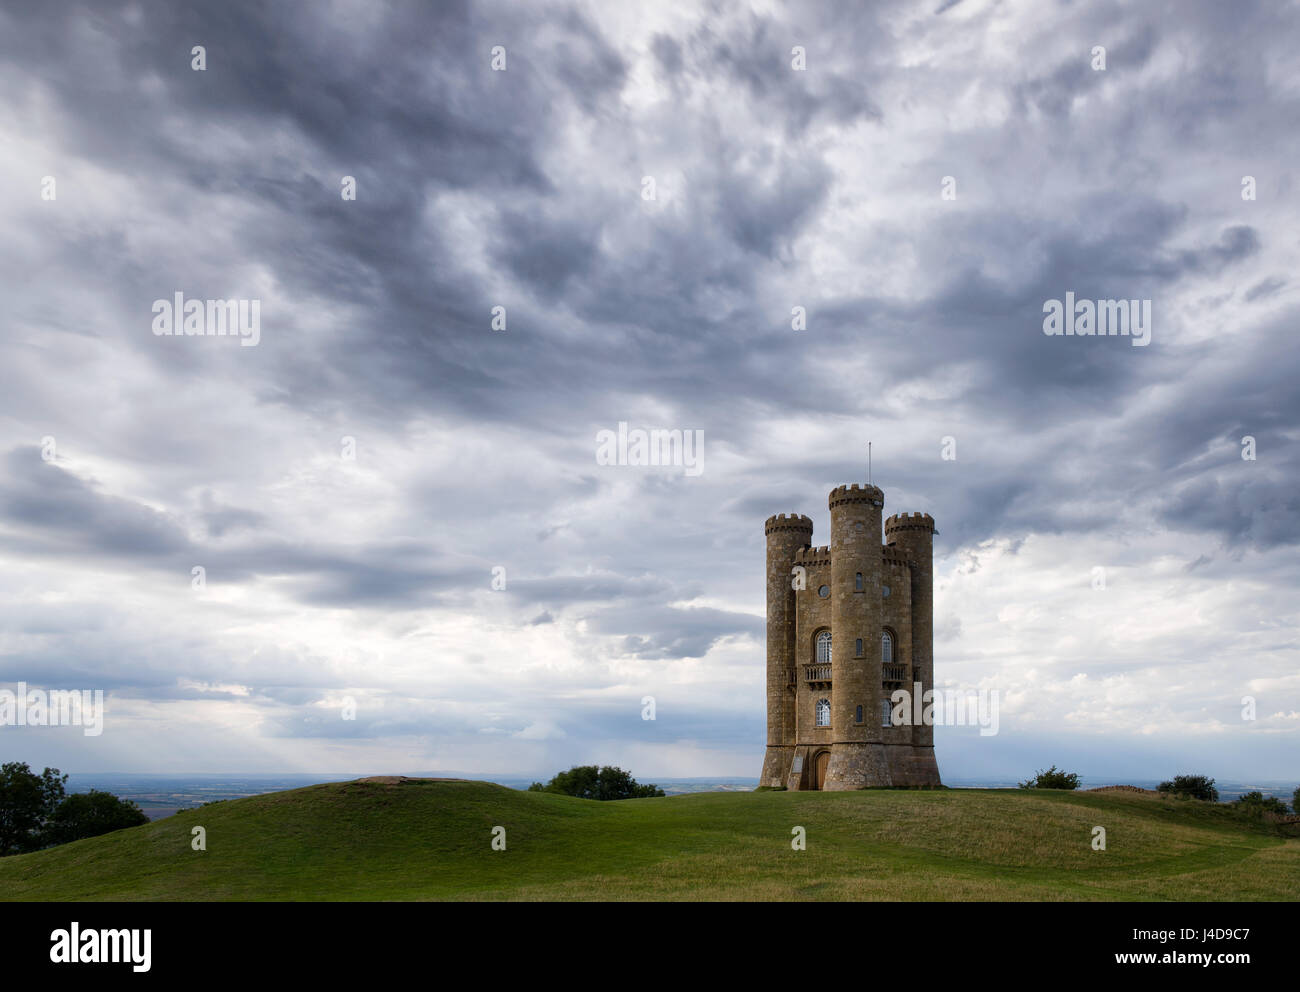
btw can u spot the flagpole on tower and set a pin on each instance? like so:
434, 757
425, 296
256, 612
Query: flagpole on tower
868, 463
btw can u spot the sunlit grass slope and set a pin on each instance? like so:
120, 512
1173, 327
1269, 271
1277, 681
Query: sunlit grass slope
431, 839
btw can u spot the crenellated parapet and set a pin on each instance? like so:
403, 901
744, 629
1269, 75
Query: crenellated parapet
909, 521
813, 557
871, 495
788, 521
895, 559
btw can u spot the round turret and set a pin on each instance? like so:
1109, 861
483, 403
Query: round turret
787, 535
911, 536
909, 521
788, 521
868, 494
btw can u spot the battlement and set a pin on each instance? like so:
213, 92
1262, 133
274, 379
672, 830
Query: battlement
856, 494
910, 521
813, 556
892, 557
788, 521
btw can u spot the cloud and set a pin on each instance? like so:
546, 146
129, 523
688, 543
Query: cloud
776, 188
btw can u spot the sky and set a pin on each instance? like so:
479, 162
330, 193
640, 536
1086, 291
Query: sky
411, 556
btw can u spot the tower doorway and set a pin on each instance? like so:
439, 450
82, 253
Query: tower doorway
819, 769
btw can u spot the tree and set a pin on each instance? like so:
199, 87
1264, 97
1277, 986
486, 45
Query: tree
614, 783
1192, 786
1052, 779
89, 814
593, 782
27, 801
1295, 801
1257, 804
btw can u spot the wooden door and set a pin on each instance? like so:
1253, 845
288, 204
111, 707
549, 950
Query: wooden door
823, 760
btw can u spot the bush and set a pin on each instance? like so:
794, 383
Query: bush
89, 814
1052, 779
1256, 804
593, 782
1192, 787
35, 811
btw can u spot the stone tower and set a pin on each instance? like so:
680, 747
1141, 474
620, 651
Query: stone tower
848, 624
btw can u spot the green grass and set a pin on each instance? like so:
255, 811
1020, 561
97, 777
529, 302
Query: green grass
431, 840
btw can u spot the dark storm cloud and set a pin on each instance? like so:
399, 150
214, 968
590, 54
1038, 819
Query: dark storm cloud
1264, 288
219, 519
52, 511
669, 54
1054, 94
352, 92
434, 118
757, 55
543, 254
47, 511
662, 633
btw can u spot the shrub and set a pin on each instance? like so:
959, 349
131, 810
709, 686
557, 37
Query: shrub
1052, 779
1256, 804
593, 782
1191, 786
89, 814
36, 812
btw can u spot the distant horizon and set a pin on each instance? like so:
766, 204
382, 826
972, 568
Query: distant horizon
160, 795
519, 777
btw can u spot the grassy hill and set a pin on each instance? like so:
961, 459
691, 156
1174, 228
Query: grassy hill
430, 839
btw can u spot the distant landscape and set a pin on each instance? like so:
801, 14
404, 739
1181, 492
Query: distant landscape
163, 795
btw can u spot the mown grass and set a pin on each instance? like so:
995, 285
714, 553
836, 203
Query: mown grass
432, 840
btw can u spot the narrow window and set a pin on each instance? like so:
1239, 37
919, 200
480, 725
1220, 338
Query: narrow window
823, 712
859, 716
886, 648
824, 648
857, 583
859, 652
886, 714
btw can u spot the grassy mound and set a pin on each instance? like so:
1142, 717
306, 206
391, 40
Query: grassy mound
431, 839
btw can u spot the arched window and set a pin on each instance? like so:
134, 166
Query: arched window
824, 648
858, 653
887, 648
823, 712
857, 583
859, 714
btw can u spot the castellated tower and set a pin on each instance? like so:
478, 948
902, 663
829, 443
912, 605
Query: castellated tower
785, 536
848, 624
